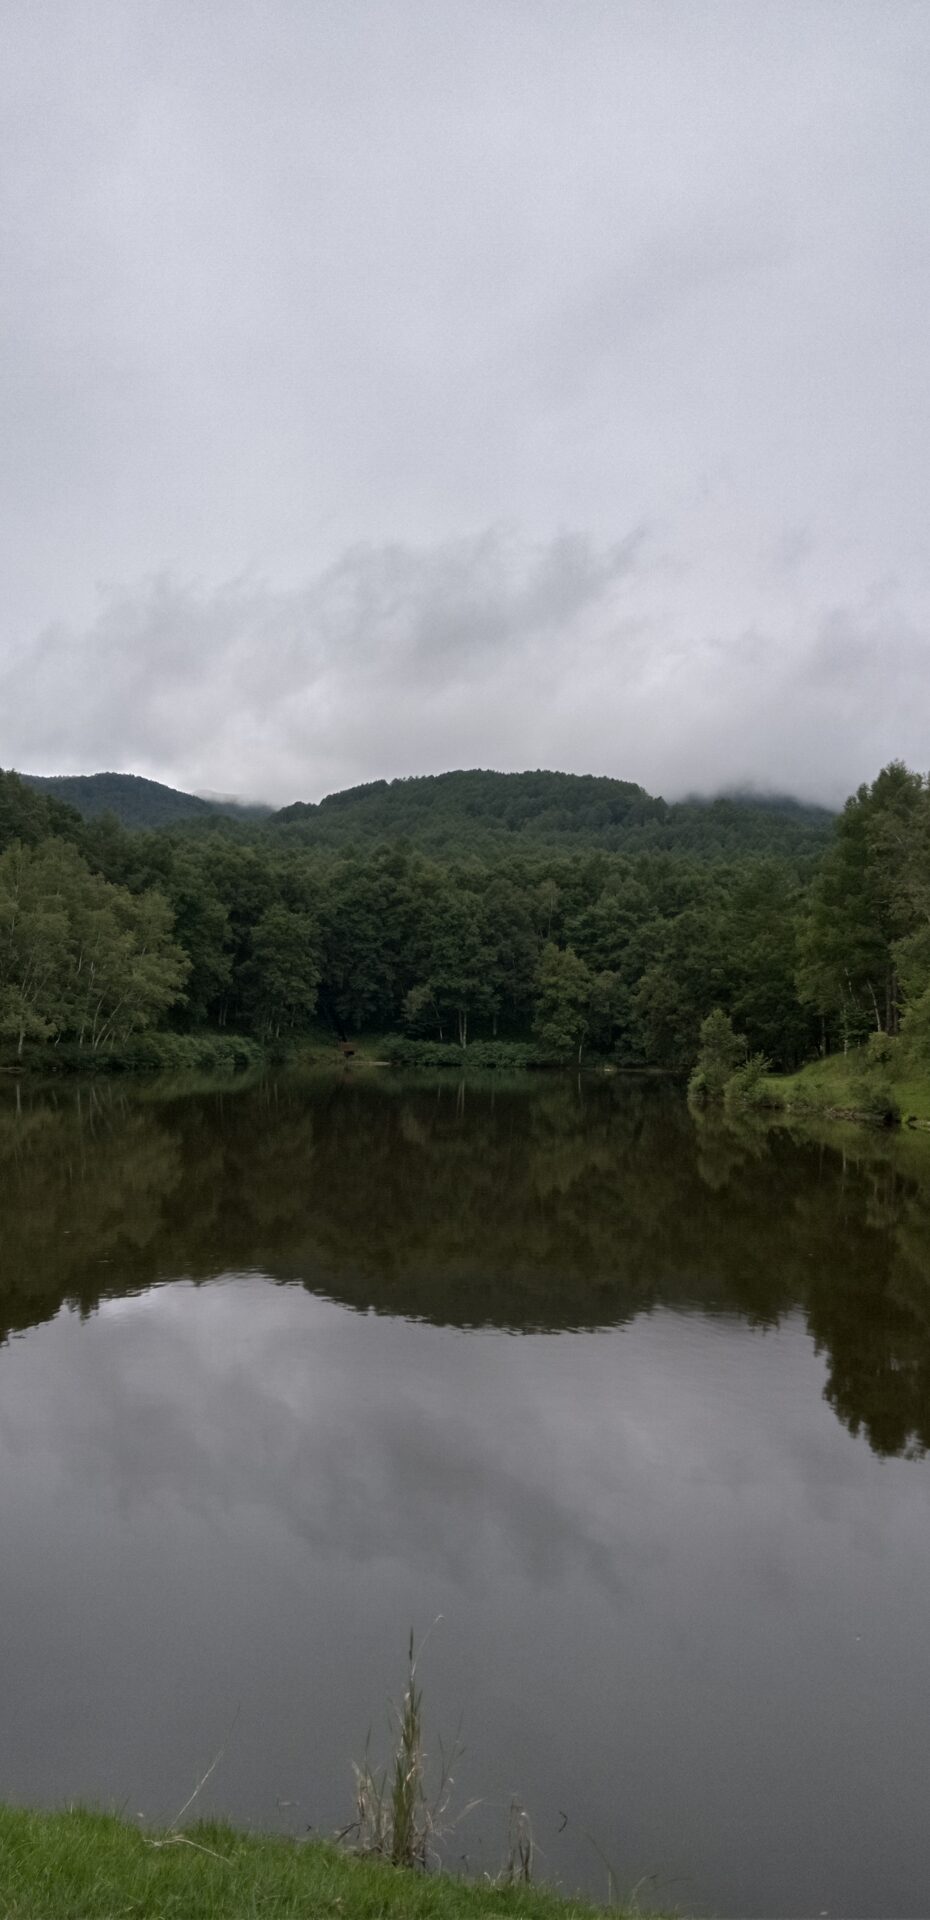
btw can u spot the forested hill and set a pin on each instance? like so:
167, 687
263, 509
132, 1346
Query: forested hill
136, 802
482, 812
561, 913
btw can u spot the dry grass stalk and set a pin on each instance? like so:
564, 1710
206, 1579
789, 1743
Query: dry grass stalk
521, 1849
396, 1816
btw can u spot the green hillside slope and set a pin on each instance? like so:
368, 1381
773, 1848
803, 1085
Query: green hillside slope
480, 811
477, 811
136, 802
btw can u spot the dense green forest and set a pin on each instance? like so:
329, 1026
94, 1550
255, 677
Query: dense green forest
528, 923
486, 813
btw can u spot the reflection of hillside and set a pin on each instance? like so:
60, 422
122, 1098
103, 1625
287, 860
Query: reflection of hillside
548, 1206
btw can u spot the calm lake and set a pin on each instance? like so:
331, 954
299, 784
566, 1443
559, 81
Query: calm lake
637, 1405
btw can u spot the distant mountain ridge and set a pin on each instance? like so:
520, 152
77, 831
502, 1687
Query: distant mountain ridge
135, 801
477, 811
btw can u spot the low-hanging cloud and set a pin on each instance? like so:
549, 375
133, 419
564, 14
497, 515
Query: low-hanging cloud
438, 385
493, 650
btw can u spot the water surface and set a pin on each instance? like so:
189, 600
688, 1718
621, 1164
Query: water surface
638, 1407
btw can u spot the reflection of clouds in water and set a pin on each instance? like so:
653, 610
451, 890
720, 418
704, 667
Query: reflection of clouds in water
639, 1537
130, 1305
370, 1436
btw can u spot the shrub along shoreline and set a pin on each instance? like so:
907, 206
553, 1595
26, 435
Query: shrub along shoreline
875, 1085
234, 1053
882, 1082
152, 1052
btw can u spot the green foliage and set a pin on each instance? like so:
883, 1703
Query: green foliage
721, 1053
491, 815
459, 961
30, 817
871, 1088
665, 1024
874, 1098
880, 1051
915, 1030
864, 949
420, 1011
191, 1052
283, 971
749, 1084
581, 912
133, 801
871, 1082
151, 1052
480, 1056
202, 927
566, 1001
79, 957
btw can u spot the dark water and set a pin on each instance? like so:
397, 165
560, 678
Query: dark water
638, 1408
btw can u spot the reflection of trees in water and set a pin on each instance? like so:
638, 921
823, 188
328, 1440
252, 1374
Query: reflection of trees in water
875, 1329
545, 1204
84, 1189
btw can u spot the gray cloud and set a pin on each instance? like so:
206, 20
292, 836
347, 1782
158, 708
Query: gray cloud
515, 385
483, 651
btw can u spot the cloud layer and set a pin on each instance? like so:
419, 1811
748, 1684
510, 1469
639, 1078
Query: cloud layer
488, 651
385, 391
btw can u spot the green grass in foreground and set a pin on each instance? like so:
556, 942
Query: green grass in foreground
89, 1866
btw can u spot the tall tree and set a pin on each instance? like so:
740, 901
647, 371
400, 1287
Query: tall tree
861, 906
284, 971
80, 956
564, 995
34, 935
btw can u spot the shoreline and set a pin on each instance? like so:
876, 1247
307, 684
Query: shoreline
55, 1865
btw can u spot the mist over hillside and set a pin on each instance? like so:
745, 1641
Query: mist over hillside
480, 810
475, 810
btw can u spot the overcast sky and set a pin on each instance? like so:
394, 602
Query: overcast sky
393, 385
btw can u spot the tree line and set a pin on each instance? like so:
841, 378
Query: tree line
106, 932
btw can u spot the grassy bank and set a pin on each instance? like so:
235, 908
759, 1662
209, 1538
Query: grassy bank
846, 1084
88, 1866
